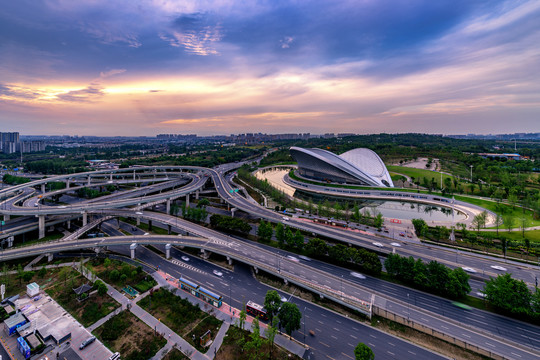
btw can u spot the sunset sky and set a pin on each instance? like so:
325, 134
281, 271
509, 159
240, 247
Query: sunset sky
142, 67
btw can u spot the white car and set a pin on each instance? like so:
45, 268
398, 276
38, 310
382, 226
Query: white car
283, 299
292, 258
303, 257
285, 218
395, 244
469, 270
185, 258
146, 234
378, 244
498, 267
138, 213
217, 273
358, 275
481, 294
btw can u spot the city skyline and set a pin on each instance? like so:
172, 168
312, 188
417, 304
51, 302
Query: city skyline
222, 67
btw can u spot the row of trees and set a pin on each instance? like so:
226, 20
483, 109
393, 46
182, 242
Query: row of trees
433, 277
513, 297
229, 224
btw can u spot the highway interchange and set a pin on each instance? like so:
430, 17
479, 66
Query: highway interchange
505, 336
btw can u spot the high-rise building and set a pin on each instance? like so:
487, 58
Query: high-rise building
9, 142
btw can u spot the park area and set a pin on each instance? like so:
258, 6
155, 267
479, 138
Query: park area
240, 345
132, 338
119, 275
182, 317
87, 309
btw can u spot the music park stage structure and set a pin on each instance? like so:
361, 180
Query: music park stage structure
358, 166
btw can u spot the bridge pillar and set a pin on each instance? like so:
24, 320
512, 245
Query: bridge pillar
285, 281
133, 174
149, 225
68, 224
97, 249
197, 194
229, 260
42, 188
232, 211
132, 247
67, 183
169, 227
138, 221
84, 218
205, 254
88, 182
41, 226
187, 200
6, 217
256, 270
168, 251
110, 177
50, 257
168, 206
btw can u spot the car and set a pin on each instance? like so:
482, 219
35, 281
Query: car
292, 258
378, 244
138, 213
303, 257
185, 258
87, 342
217, 273
409, 236
358, 275
498, 267
395, 244
283, 299
285, 218
469, 270
402, 234
481, 294
62, 207
146, 233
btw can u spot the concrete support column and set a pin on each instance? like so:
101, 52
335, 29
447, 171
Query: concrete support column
229, 260
7, 217
168, 206
168, 251
169, 229
84, 218
43, 188
205, 254
88, 182
187, 200
138, 221
149, 225
197, 194
285, 281
133, 174
256, 270
97, 250
232, 211
132, 247
50, 257
110, 177
41, 226
68, 224
67, 184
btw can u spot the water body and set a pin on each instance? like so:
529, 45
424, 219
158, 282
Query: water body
390, 209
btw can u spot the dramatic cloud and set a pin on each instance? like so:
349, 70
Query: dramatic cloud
225, 66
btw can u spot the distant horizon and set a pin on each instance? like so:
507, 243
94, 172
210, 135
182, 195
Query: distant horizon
96, 67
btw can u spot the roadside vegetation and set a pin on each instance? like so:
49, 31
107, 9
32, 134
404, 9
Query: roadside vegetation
120, 274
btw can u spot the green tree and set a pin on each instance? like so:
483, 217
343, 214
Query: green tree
317, 248
498, 222
289, 317
256, 342
280, 233
509, 222
203, 203
458, 284
363, 352
20, 273
298, 239
508, 294
378, 221
100, 287
272, 303
42, 272
265, 231
242, 318
271, 333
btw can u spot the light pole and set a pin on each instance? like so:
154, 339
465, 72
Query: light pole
230, 298
305, 326
341, 282
471, 171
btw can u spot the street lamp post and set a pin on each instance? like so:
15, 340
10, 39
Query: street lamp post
408, 306
471, 172
304, 325
341, 282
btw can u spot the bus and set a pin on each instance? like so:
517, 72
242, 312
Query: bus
256, 310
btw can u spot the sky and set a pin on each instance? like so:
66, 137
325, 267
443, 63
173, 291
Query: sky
147, 67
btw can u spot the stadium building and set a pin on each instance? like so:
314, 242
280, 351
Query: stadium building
359, 166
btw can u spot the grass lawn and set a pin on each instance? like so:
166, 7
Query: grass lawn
532, 235
175, 354
180, 315
418, 174
131, 337
231, 350
86, 312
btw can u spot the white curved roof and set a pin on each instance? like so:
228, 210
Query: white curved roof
361, 163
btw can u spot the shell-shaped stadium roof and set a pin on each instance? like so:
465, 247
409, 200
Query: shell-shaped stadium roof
357, 166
